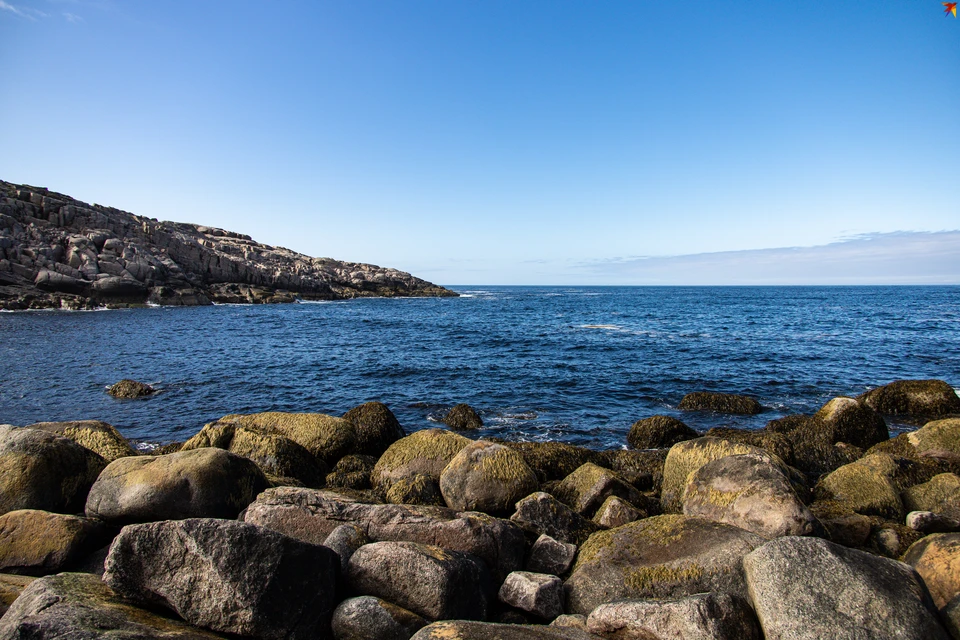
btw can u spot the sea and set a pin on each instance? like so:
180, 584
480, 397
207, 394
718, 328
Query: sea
569, 364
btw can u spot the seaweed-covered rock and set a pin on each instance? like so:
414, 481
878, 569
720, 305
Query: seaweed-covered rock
865, 486
585, 489
702, 616
553, 460
425, 452
941, 494
39, 542
463, 417
352, 472
778, 444
202, 570
540, 513
472, 630
537, 593
416, 489
130, 389
616, 512
40, 470
485, 476
377, 427
815, 452
95, 435
641, 468
658, 432
719, 403
207, 482
939, 437
937, 559
842, 524
662, 557
916, 398
327, 437
846, 420
366, 617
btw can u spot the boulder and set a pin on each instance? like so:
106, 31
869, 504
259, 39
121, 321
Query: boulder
929, 522
11, 586
540, 513
39, 543
937, 559
814, 450
485, 476
662, 557
749, 492
841, 523
39, 470
468, 630
463, 417
201, 569
536, 593
416, 489
571, 621
778, 444
344, 541
130, 389
616, 512
433, 582
425, 452
201, 483
377, 428
352, 472
719, 403
950, 615
807, 588
118, 289
78, 606
915, 398
585, 489
553, 460
702, 616
327, 437
939, 437
551, 556
865, 486
95, 435
940, 495
658, 432
846, 420
367, 617
276, 455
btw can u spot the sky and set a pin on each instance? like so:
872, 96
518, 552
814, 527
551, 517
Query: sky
511, 141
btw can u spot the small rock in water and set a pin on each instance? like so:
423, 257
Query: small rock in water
720, 403
130, 389
463, 417
658, 432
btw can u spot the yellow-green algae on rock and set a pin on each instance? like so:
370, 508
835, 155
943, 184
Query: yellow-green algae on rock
325, 436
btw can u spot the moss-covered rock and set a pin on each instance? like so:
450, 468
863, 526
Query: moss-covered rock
913, 398
586, 488
778, 444
352, 472
39, 542
327, 437
642, 469
719, 403
939, 437
842, 525
95, 435
941, 494
866, 486
425, 452
463, 417
658, 432
486, 476
415, 489
815, 450
130, 389
846, 420
937, 559
377, 427
552, 460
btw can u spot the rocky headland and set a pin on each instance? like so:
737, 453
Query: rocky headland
58, 252
285, 525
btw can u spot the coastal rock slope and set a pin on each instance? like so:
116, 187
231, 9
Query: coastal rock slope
58, 252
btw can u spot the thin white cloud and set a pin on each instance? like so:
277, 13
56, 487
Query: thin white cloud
24, 12
12, 9
72, 17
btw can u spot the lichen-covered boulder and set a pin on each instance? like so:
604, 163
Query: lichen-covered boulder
658, 432
425, 452
78, 606
486, 476
130, 389
937, 559
702, 616
586, 488
428, 580
937, 437
352, 472
366, 617
846, 420
921, 398
39, 542
95, 435
866, 486
539, 594
778, 444
463, 417
807, 589
327, 437
415, 489
227, 576
719, 403
749, 492
540, 513
616, 512
553, 460
662, 557
941, 494
201, 483
472, 630
377, 427
40, 470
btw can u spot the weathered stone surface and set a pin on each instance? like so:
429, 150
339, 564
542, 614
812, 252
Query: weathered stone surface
467, 630
658, 432
937, 437
866, 486
719, 402
703, 616
312, 515
78, 606
327, 437
937, 559
417, 489
367, 617
926, 398
377, 427
890, 539
585, 489
537, 593
463, 417
571, 621
11, 586
202, 570
841, 523
39, 542
940, 495
749, 492
130, 389
486, 476
950, 615
433, 582
352, 472
541, 513
425, 452
95, 435
206, 482
643, 469
551, 556
616, 512
846, 420
815, 449
39, 470
344, 540
930, 522
553, 460
778, 444
661, 557
808, 588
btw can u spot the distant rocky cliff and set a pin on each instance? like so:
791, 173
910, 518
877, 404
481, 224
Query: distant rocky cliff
58, 252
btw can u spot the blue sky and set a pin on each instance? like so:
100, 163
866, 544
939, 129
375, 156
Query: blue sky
511, 142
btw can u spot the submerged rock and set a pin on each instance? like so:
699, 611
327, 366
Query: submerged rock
463, 417
130, 389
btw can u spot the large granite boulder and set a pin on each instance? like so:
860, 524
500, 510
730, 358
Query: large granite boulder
345, 540
937, 438
719, 403
367, 617
588, 486
937, 559
749, 492
662, 557
486, 476
808, 588
39, 542
40, 470
201, 483
428, 580
551, 556
227, 576
616, 512
941, 494
425, 452
95, 435
470, 630
540, 513
866, 486
658, 432
702, 616
915, 398
327, 437
846, 420
377, 428
78, 606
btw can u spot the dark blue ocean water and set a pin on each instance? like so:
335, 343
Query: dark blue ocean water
575, 364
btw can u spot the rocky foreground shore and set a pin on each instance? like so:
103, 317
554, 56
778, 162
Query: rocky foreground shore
281, 525
58, 252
